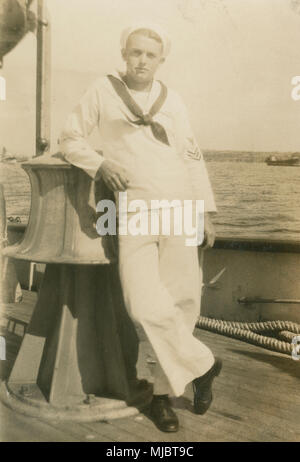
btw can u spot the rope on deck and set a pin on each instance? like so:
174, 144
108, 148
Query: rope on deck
250, 332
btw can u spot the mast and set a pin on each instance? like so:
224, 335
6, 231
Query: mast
43, 79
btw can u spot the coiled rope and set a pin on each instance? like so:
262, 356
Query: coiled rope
251, 332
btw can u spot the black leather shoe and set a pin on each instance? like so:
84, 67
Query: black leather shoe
202, 387
163, 415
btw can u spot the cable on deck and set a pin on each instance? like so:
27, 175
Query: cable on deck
251, 332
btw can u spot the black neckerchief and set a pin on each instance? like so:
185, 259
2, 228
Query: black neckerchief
143, 119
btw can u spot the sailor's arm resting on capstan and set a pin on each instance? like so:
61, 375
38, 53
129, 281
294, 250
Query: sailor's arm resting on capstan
77, 150
79, 125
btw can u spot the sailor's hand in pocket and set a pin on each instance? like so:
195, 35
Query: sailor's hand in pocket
114, 175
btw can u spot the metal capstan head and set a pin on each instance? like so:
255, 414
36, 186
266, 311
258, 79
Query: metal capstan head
15, 21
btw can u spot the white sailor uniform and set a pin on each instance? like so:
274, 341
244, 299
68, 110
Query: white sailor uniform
159, 274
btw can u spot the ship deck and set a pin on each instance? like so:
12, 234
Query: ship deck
256, 397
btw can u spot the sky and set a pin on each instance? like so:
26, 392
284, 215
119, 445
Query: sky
231, 60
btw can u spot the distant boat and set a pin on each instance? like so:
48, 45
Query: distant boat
287, 161
10, 160
7, 157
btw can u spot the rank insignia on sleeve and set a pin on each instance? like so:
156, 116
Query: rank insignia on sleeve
194, 153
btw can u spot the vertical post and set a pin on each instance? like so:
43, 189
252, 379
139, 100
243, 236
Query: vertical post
43, 80
2, 216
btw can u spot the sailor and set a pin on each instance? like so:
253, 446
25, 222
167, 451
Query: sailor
148, 150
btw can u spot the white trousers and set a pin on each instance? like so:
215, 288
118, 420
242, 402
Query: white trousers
161, 282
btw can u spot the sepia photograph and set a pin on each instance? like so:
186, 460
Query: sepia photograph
149, 223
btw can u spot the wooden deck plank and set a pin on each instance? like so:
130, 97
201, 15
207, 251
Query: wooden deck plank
266, 404
221, 426
16, 427
267, 426
249, 415
114, 433
192, 427
256, 398
269, 375
80, 431
146, 427
252, 380
271, 397
139, 428
213, 430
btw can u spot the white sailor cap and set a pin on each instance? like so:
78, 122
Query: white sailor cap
165, 38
